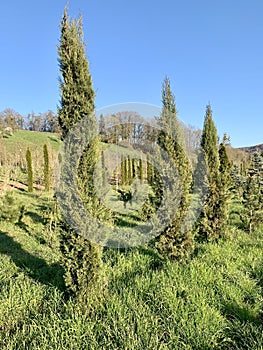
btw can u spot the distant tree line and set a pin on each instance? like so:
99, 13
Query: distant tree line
129, 128
11, 121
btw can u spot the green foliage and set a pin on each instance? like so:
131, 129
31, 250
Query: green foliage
77, 94
81, 258
215, 212
10, 210
174, 242
82, 263
253, 194
141, 170
133, 168
225, 185
127, 170
29, 170
147, 209
46, 168
123, 171
237, 181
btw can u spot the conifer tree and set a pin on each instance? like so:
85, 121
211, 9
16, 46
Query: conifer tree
128, 166
134, 174
82, 259
213, 218
77, 94
130, 170
140, 170
225, 185
124, 170
237, 181
29, 170
46, 168
253, 194
174, 242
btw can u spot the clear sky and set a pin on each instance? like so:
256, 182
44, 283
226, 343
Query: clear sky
211, 50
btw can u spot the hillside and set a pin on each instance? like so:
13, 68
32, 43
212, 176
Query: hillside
32, 139
13, 155
252, 149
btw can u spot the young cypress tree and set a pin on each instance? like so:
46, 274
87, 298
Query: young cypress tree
46, 168
134, 174
140, 170
253, 194
174, 242
77, 94
82, 259
123, 170
29, 170
225, 185
129, 169
214, 213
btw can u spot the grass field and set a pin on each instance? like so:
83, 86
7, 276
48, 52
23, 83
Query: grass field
13, 155
213, 301
25, 138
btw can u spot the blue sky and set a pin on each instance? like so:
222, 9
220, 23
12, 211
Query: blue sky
212, 51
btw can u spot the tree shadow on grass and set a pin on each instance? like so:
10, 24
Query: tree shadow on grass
245, 328
242, 313
35, 217
35, 267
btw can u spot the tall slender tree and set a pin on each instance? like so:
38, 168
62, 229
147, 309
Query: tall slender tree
46, 168
225, 186
175, 242
82, 258
77, 94
141, 170
30, 179
213, 218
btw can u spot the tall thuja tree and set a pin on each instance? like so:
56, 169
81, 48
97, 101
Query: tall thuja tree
82, 258
77, 94
176, 242
213, 218
30, 179
46, 168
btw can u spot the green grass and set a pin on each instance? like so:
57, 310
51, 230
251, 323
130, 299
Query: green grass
13, 152
213, 301
25, 138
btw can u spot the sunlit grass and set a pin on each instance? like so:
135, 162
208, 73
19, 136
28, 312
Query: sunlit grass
212, 301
